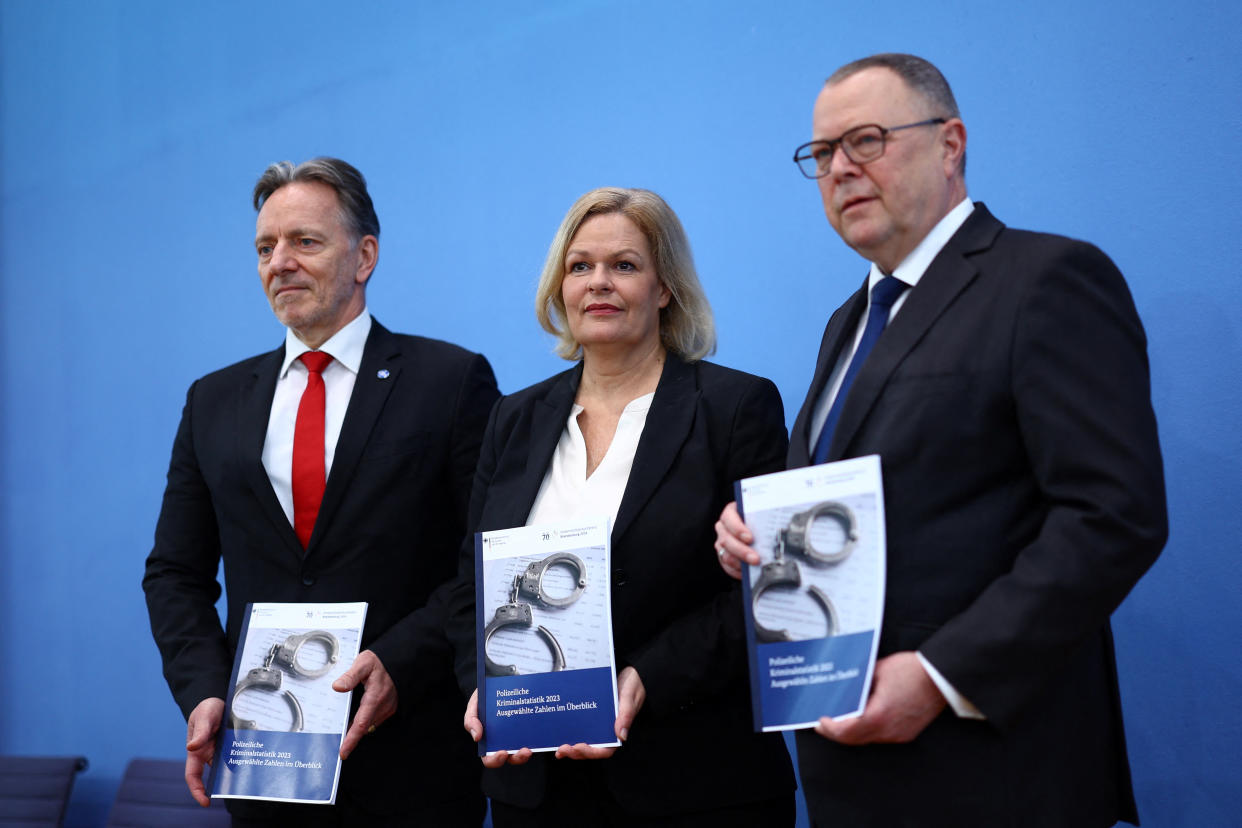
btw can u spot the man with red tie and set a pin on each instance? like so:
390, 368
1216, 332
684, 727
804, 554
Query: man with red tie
334, 468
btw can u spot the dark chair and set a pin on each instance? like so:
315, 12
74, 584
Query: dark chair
153, 795
34, 790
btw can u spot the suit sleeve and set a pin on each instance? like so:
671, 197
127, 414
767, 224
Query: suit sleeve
180, 579
410, 647
477, 396
703, 653
459, 595
1083, 408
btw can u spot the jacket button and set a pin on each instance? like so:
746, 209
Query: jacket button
308, 580
618, 577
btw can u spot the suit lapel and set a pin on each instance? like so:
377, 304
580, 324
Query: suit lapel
378, 374
838, 332
668, 425
548, 416
255, 409
947, 276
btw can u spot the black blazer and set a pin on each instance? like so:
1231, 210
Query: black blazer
395, 500
677, 619
1009, 401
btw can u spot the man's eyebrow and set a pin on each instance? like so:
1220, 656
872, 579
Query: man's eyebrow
292, 233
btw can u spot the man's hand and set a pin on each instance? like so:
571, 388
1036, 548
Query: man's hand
630, 697
475, 728
903, 702
379, 699
733, 542
200, 745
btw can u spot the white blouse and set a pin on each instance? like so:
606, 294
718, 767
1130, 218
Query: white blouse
567, 493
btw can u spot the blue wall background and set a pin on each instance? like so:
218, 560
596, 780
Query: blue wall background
132, 132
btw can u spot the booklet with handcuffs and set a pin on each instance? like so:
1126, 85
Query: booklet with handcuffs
546, 671
815, 602
283, 722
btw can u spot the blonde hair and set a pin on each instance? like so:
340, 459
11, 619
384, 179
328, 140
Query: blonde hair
686, 325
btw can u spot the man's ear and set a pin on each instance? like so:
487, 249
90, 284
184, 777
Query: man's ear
368, 257
953, 142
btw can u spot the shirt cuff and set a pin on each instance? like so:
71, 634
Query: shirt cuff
960, 704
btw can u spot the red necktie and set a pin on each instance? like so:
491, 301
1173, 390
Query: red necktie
308, 451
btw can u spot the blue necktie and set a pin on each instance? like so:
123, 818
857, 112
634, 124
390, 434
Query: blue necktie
883, 295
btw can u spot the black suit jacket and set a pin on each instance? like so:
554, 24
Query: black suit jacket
1010, 404
392, 517
677, 619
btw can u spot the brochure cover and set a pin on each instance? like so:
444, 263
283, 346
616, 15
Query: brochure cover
546, 674
283, 722
815, 602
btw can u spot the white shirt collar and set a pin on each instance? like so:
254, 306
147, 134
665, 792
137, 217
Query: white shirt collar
345, 346
913, 267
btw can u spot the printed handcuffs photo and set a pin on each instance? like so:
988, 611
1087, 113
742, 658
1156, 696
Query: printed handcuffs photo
268, 678
520, 613
796, 540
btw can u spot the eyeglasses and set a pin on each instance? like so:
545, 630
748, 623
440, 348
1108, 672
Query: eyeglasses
862, 144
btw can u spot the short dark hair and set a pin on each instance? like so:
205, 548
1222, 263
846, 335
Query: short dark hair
919, 74
357, 211
922, 76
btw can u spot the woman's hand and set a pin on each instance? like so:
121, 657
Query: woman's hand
630, 697
474, 727
733, 543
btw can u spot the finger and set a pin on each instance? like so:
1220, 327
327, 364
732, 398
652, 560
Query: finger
584, 751
632, 694
373, 710
860, 730
735, 526
474, 727
496, 759
353, 737
731, 565
520, 757
829, 728
199, 734
358, 673
731, 547
347, 681
194, 779
625, 718
470, 721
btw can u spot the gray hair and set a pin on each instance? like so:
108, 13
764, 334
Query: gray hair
686, 325
357, 211
921, 76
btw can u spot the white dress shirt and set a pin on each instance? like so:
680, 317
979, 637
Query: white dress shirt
567, 493
346, 347
910, 271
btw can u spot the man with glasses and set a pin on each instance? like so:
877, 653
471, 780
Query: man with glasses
1002, 378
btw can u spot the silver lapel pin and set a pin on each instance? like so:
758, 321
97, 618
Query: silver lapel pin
382, 373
